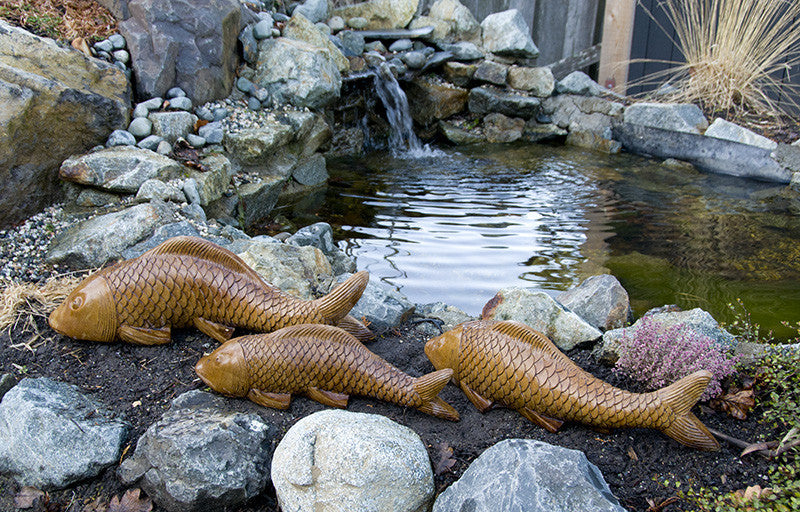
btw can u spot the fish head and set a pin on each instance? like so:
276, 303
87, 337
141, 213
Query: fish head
225, 370
443, 351
88, 313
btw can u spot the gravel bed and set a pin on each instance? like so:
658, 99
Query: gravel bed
23, 248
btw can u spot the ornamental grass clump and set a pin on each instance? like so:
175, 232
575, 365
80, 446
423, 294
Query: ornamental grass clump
737, 53
658, 355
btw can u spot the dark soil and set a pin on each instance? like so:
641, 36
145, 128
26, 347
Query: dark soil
633, 461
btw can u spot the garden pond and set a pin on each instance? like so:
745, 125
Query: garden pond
458, 226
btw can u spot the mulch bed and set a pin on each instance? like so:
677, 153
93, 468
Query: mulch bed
633, 461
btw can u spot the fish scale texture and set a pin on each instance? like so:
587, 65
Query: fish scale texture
293, 364
160, 290
519, 375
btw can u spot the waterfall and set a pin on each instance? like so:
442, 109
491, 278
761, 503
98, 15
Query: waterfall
402, 140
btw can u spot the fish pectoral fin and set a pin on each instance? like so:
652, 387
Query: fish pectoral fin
547, 423
481, 403
274, 400
219, 332
329, 398
145, 336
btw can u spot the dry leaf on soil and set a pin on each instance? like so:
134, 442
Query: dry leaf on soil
27, 497
446, 460
736, 403
130, 502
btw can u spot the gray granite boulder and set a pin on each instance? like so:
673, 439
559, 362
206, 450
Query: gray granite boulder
255, 146
254, 201
157, 189
52, 435
722, 129
301, 29
578, 83
301, 271
101, 239
204, 454
351, 461
172, 125
492, 72
297, 72
696, 320
679, 117
462, 50
54, 102
320, 235
538, 81
506, 33
379, 14
313, 10
311, 171
520, 475
212, 183
444, 316
119, 169
500, 128
601, 301
464, 25
542, 313
485, 100
196, 52
381, 304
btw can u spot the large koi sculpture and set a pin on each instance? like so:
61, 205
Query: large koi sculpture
510, 364
322, 362
188, 281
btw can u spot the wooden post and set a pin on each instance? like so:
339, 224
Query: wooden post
616, 44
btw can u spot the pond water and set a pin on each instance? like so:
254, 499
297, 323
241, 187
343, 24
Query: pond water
458, 227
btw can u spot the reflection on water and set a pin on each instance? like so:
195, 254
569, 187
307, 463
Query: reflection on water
458, 228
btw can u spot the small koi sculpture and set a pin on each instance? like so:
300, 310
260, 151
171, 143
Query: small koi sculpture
188, 281
321, 362
510, 364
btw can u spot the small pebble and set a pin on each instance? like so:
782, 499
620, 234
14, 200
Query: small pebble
150, 142
263, 29
220, 113
104, 55
279, 16
140, 127
401, 45
181, 103
336, 23
191, 191
244, 85
260, 93
276, 32
195, 141
324, 28
121, 138
105, 46
175, 92
120, 65
153, 103
117, 41
375, 46
253, 103
164, 148
121, 56
204, 113
357, 22
141, 110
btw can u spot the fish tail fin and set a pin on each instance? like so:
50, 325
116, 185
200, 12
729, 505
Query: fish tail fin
680, 397
341, 299
428, 387
356, 328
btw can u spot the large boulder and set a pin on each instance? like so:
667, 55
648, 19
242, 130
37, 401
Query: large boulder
52, 435
102, 239
381, 14
543, 313
297, 72
486, 99
54, 102
202, 455
521, 474
186, 43
679, 117
338, 460
382, 305
431, 100
301, 29
601, 301
119, 168
299, 271
464, 25
506, 33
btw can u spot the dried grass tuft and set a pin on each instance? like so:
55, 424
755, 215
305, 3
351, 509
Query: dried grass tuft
737, 52
22, 303
64, 20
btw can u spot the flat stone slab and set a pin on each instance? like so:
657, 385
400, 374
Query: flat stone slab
397, 33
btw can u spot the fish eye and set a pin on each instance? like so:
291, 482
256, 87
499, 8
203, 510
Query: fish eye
76, 303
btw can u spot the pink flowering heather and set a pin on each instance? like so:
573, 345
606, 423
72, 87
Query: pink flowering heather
658, 356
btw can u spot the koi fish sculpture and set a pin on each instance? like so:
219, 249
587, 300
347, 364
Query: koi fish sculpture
188, 281
321, 362
510, 364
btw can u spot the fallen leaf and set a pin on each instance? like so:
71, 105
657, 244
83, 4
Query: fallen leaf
632, 454
446, 460
736, 403
130, 502
187, 155
27, 497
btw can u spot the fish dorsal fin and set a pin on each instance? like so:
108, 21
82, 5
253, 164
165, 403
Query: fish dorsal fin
203, 249
527, 334
321, 332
